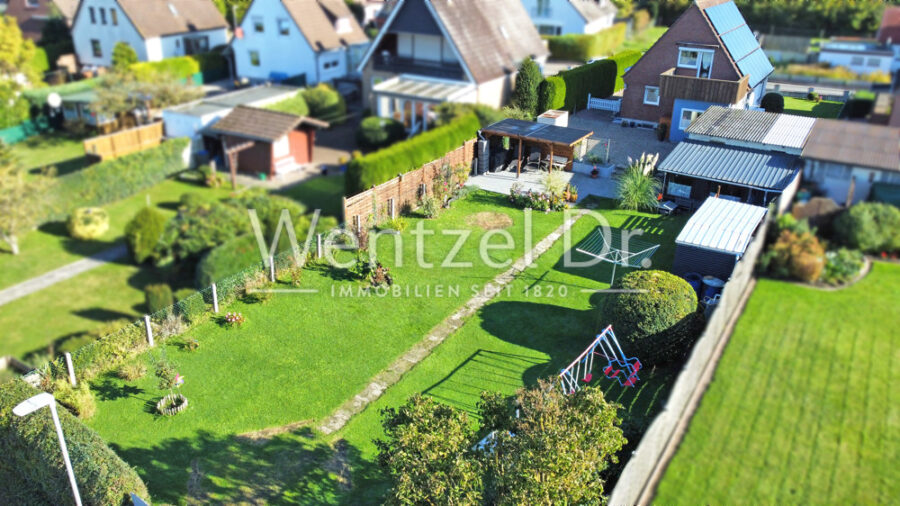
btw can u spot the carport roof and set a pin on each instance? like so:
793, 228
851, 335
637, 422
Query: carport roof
752, 168
537, 132
722, 225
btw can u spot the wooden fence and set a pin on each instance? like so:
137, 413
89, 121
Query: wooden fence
403, 192
125, 141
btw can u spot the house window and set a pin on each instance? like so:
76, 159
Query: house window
114, 17
679, 190
688, 116
284, 27
102, 16
857, 60
196, 45
96, 49
688, 58
93, 15
651, 95
254, 58
32, 4
258, 24
874, 62
543, 8
549, 30
330, 64
699, 59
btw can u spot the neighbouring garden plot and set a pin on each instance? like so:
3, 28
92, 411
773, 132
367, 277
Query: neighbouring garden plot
827, 109
297, 357
803, 408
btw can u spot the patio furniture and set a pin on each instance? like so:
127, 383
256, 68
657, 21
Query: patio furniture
668, 208
559, 162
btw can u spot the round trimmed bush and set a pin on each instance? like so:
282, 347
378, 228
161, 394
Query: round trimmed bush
88, 223
657, 324
773, 102
873, 227
375, 133
158, 297
143, 233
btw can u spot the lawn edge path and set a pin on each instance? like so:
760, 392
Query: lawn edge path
394, 372
60, 274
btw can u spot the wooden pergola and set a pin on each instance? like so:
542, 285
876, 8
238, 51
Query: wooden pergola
553, 140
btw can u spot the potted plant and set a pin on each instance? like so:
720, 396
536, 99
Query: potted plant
573, 193
594, 159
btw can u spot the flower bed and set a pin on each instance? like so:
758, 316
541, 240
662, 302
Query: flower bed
172, 404
536, 200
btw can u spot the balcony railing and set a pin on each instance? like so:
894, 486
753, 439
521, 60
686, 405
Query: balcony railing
702, 89
387, 62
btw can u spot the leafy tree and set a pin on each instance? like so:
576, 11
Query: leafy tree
525, 96
120, 93
143, 232
555, 450
123, 56
428, 454
638, 188
21, 199
18, 71
232, 8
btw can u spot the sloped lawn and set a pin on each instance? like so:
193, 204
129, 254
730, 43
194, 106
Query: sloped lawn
804, 407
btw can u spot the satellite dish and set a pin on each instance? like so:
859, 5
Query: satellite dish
54, 100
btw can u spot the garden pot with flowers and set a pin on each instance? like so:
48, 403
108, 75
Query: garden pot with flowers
233, 320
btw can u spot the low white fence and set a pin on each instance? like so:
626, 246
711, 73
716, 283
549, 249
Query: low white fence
604, 104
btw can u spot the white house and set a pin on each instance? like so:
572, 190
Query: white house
562, 17
860, 56
155, 29
308, 41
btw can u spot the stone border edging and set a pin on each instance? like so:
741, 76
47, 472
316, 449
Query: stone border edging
394, 372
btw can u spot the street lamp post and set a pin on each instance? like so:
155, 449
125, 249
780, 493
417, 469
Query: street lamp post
37, 402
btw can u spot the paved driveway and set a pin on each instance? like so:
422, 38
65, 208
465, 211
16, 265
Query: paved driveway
625, 142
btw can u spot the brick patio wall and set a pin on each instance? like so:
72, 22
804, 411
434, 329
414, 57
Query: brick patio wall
403, 192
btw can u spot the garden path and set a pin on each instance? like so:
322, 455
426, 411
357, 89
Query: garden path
383, 380
63, 273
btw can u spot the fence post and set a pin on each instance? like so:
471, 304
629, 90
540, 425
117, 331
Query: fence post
149, 329
215, 298
319, 251
71, 369
272, 268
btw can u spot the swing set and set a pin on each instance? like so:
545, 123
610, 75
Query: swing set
623, 369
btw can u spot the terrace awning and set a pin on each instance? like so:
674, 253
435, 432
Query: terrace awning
562, 140
431, 90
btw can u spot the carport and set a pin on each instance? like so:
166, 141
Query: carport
553, 141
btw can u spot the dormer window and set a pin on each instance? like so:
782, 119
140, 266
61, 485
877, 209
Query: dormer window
698, 59
342, 25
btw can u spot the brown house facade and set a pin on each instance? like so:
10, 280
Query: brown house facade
708, 57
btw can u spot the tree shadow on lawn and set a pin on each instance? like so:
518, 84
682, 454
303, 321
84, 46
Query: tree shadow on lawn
64, 167
109, 390
102, 315
295, 467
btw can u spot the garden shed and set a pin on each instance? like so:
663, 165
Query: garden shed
266, 142
716, 237
556, 144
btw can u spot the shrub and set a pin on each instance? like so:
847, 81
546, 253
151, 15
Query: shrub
143, 232
842, 266
326, 104
641, 20
797, 255
773, 102
813, 96
79, 399
552, 93
554, 182
132, 371
525, 95
180, 67
30, 452
212, 64
873, 227
158, 297
295, 105
637, 189
88, 223
582, 47
197, 229
40, 60
113, 180
858, 108
228, 259
658, 320
376, 133
123, 56
383, 165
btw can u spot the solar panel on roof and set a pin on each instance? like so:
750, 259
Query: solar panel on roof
725, 17
740, 42
756, 64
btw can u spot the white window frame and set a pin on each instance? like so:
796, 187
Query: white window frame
696, 66
681, 125
284, 26
648, 89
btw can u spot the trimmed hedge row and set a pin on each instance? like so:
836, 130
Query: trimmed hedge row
583, 47
31, 455
552, 93
179, 66
380, 166
212, 64
598, 79
624, 60
112, 180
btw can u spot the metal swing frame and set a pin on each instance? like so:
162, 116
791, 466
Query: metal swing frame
607, 346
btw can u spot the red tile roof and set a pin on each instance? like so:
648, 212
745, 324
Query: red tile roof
890, 25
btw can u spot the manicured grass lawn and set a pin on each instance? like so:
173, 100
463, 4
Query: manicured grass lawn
644, 40
87, 300
804, 405
802, 107
323, 193
60, 150
299, 356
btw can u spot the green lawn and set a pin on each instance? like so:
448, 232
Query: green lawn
644, 40
61, 150
804, 406
802, 107
323, 193
299, 356
283, 368
85, 301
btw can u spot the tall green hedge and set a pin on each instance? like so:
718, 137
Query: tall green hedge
114, 179
179, 66
624, 60
213, 65
383, 165
552, 93
31, 455
583, 47
598, 79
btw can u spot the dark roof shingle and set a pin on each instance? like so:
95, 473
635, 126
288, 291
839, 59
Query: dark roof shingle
153, 18
316, 20
852, 143
259, 124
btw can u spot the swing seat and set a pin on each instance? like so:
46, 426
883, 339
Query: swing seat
587, 377
629, 382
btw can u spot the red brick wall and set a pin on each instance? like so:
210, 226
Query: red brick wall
691, 27
404, 190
